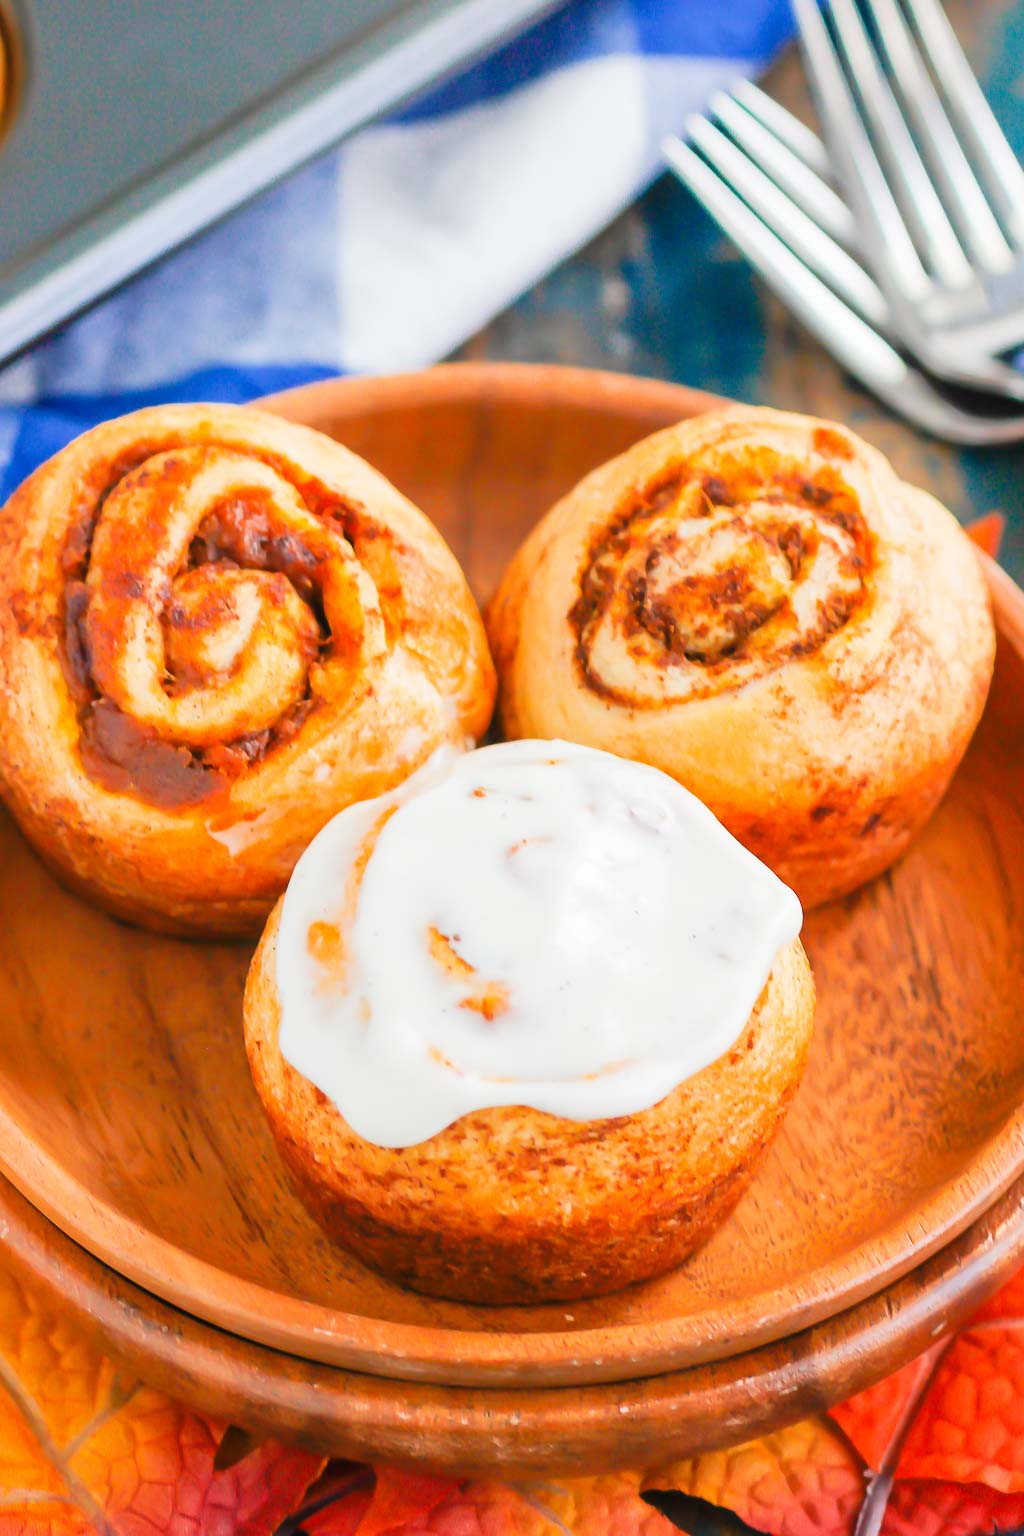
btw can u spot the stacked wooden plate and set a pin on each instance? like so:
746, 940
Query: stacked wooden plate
145, 1191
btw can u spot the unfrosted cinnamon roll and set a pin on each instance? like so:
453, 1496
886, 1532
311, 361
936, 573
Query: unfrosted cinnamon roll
216, 630
753, 602
524, 1027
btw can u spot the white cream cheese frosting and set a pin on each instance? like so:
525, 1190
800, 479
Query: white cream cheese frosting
534, 923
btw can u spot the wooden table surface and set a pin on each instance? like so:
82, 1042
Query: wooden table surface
662, 292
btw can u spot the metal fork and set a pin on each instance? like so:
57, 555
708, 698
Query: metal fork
761, 174
944, 238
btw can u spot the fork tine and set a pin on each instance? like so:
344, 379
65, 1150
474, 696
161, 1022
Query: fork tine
786, 168
999, 166
872, 203
814, 247
844, 333
793, 133
978, 225
908, 177
861, 350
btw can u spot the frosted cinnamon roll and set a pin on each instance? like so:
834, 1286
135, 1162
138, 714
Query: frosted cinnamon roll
216, 630
524, 1027
753, 602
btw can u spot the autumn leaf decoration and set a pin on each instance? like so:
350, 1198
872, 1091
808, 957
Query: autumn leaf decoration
82, 1451
987, 532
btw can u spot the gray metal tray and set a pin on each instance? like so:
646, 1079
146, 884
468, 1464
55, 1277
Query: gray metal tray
138, 122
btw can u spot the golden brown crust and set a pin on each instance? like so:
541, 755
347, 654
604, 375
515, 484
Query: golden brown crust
754, 603
217, 629
513, 1205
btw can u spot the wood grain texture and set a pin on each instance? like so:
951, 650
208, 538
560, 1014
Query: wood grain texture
509, 1433
127, 1114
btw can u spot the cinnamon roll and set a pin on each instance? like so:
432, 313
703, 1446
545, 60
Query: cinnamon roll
753, 602
524, 1027
217, 629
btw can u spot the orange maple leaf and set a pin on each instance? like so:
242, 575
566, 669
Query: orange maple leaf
874, 1418
83, 1451
970, 1428
610, 1505
802, 1481
951, 1509
594, 1506
1007, 1302
987, 532
401, 1497
335, 1504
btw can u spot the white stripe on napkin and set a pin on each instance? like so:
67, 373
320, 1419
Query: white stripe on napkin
443, 223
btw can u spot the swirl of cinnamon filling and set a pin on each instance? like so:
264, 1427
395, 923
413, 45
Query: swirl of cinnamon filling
712, 578
755, 603
219, 630
209, 612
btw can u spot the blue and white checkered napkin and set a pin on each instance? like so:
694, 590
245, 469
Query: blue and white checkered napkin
390, 251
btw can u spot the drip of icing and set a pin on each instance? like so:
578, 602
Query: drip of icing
535, 923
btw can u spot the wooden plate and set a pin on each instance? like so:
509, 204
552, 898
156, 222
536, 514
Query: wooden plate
127, 1115
509, 1433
